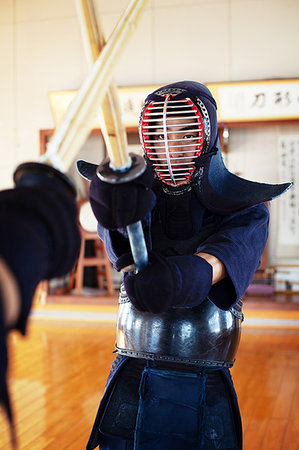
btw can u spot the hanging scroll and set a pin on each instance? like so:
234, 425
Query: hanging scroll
288, 232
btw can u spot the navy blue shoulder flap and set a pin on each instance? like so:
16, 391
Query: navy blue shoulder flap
222, 192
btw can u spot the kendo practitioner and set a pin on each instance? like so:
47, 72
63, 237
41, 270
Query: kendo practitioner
179, 319
39, 239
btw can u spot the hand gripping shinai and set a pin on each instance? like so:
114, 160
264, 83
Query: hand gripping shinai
77, 123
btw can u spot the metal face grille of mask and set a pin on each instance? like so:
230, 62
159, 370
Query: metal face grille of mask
172, 132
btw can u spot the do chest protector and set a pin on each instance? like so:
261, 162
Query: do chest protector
203, 336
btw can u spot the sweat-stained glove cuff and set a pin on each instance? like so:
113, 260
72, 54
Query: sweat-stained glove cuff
118, 205
174, 281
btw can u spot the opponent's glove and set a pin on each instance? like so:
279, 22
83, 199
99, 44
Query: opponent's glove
174, 281
118, 205
40, 238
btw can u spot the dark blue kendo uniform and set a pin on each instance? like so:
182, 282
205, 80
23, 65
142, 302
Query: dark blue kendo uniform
170, 385
236, 240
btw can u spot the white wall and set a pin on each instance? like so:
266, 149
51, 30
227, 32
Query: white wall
205, 40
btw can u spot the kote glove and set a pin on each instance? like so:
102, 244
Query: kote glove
118, 205
174, 281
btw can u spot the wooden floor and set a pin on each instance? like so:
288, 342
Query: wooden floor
58, 373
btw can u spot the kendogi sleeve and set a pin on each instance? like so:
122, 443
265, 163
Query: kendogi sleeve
239, 243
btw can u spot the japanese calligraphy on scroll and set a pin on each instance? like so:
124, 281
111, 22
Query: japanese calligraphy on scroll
257, 100
288, 235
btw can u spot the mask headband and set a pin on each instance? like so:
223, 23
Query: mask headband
172, 133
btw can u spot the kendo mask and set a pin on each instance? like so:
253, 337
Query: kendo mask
178, 124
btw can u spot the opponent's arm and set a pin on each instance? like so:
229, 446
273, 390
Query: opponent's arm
39, 240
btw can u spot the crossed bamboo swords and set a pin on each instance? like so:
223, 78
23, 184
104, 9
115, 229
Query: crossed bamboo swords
98, 91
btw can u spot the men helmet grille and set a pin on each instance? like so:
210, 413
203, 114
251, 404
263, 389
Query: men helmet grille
172, 132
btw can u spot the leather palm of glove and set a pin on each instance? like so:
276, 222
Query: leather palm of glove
118, 205
174, 281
